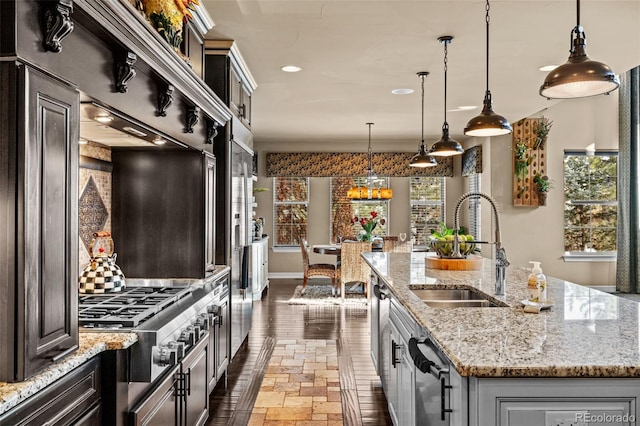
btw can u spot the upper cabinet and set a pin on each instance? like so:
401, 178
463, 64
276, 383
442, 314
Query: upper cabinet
229, 77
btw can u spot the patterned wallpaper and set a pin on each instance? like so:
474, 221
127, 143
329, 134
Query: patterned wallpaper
349, 164
472, 161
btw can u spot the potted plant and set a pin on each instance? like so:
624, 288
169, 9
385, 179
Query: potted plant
522, 159
368, 225
542, 131
542, 186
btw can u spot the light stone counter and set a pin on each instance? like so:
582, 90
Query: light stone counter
91, 344
587, 333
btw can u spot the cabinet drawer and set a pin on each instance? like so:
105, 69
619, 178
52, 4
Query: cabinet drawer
62, 403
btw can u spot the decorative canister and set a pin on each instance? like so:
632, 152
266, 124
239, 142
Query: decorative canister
102, 275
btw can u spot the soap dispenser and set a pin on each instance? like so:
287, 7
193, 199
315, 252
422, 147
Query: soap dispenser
537, 284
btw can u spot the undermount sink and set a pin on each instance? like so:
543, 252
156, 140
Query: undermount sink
455, 298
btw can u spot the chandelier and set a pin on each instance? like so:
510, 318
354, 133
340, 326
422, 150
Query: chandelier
370, 192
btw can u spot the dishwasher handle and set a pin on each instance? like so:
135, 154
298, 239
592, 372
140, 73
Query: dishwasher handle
423, 363
379, 293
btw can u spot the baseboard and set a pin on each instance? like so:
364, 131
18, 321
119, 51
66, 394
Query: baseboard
605, 288
284, 275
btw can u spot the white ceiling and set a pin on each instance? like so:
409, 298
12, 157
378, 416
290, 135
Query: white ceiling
353, 53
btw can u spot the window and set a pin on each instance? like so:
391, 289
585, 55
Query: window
591, 201
343, 209
474, 206
427, 199
290, 207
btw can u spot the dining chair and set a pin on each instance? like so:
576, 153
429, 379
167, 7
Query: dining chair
316, 269
353, 267
392, 244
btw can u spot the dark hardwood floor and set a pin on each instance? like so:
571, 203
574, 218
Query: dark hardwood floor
274, 317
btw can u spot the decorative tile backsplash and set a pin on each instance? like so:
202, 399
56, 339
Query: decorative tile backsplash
94, 206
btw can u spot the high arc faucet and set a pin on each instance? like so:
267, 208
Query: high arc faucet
501, 255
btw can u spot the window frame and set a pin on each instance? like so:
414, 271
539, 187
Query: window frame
413, 202
582, 255
276, 204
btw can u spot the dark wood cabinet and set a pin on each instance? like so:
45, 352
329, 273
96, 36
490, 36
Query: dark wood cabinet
194, 386
219, 335
163, 212
74, 399
160, 407
39, 254
230, 80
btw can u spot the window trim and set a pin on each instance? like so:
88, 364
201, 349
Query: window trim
589, 256
287, 247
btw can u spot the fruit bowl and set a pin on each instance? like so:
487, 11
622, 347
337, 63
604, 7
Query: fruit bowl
444, 247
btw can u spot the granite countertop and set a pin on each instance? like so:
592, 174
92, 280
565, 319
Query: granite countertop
587, 333
91, 344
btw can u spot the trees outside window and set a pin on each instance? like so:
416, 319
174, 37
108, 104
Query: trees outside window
427, 200
344, 209
591, 201
290, 205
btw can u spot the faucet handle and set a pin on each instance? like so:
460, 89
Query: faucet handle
501, 257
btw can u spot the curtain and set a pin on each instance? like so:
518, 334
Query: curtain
627, 274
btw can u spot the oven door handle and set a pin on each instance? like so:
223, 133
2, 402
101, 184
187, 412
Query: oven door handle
423, 363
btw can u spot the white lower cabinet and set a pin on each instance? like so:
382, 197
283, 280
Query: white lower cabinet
552, 402
401, 393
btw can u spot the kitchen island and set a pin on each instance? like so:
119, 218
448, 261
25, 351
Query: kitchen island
512, 367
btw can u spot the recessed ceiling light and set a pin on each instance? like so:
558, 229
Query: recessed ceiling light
104, 118
463, 108
133, 131
548, 68
402, 91
159, 141
291, 68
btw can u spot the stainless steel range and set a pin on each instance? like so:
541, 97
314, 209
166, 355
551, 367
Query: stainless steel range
182, 349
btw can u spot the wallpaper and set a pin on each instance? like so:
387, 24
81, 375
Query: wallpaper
472, 161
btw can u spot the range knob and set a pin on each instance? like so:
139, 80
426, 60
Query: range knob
202, 321
178, 347
187, 336
165, 356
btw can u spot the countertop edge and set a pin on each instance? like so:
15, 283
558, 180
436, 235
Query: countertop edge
90, 345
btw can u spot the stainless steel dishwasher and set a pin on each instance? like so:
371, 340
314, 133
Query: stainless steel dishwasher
432, 383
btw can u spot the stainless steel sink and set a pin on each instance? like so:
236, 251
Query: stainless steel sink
455, 298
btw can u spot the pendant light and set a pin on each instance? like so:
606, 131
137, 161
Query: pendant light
446, 146
488, 123
369, 192
580, 77
422, 159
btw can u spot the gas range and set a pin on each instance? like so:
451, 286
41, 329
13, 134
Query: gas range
128, 308
169, 319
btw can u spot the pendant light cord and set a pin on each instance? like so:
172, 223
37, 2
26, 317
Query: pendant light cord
422, 77
445, 125
487, 19
578, 13
370, 172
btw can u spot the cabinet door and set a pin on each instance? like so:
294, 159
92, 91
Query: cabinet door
160, 408
406, 388
222, 340
235, 93
195, 385
244, 111
394, 368
47, 220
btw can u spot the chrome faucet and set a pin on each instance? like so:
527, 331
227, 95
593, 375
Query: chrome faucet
501, 255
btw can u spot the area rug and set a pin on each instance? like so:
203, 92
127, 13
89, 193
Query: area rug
321, 295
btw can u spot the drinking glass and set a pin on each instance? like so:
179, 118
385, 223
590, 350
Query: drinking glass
402, 236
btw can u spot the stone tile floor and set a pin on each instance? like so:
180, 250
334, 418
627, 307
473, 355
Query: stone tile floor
301, 386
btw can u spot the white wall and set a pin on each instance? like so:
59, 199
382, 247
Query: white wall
528, 233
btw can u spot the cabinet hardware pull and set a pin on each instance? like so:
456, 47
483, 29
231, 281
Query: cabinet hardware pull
379, 294
443, 399
188, 377
62, 354
394, 360
423, 363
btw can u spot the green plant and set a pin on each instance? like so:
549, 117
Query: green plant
542, 131
542, 183
522, 159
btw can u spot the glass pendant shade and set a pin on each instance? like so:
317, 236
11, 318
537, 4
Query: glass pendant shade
422, 158
579, 77
488, 123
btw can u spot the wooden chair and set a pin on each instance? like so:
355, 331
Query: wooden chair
392, 244
316, 269
353, 267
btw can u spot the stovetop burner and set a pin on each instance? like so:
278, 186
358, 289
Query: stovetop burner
128, 308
